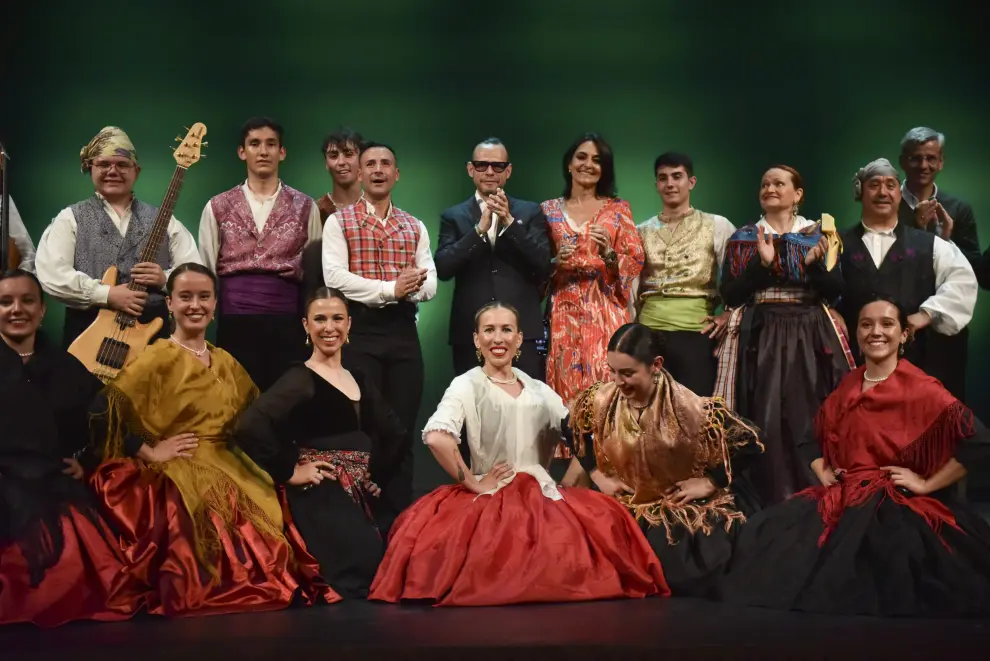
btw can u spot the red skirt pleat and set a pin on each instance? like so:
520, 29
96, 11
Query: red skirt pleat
516, 546
89, 581
255, 573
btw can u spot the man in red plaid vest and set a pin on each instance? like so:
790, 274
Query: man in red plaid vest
379, 257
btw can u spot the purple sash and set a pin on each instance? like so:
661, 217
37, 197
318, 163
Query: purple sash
252, 293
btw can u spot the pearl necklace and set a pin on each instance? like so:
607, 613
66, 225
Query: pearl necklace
503, 382
198, 354
867, 377
26, 355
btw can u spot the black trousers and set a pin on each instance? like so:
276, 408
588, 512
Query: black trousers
530, 361
691, 361
390, 356
265, 345
77, 321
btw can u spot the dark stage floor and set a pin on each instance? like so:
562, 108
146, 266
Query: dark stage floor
677, 629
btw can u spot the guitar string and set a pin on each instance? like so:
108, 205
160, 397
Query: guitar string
122, 330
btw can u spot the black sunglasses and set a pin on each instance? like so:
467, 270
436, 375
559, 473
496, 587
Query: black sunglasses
498, 166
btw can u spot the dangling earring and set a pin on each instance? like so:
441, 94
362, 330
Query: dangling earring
477, 352
794, 211
656, 377
307, 339
518, 354
347, 339
900, 350
171, 323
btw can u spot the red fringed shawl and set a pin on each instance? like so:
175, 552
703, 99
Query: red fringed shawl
909, 420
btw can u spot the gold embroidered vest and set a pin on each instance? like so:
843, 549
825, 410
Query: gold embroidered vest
682, 263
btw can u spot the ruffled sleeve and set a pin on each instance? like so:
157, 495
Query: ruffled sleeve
453, 408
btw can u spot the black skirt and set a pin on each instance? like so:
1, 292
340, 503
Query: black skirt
790, 360
881, 559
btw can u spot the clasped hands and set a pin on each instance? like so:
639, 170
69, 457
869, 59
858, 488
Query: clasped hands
928, 211
598, 235
767, 251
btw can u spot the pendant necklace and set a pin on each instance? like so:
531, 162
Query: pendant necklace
503, 382
198, 354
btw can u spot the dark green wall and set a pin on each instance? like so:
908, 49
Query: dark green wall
737, 85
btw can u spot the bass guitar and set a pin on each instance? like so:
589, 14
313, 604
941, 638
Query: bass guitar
116, 338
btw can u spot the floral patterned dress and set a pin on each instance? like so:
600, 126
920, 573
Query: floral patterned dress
588, 300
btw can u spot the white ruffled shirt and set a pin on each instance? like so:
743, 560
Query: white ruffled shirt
519, 431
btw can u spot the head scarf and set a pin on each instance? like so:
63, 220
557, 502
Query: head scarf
110, 141
878, 168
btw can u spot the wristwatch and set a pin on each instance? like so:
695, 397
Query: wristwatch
611, 257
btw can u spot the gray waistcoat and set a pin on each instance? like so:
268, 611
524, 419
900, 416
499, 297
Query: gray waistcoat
99, 244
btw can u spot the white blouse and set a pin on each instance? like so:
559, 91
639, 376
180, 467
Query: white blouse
519, 431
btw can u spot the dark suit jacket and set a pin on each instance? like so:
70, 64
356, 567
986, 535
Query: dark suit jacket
513, 272
964, 233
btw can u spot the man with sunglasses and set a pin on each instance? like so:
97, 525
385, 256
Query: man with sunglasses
494, 247
109, 228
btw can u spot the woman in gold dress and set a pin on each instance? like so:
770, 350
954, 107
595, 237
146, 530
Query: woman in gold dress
671, 456
199, 522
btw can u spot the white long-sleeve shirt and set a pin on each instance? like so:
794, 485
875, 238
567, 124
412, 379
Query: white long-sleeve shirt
261, 209
21, 237
373, 293
951, 306
56, 256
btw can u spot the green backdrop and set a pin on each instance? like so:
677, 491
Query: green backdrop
739, 86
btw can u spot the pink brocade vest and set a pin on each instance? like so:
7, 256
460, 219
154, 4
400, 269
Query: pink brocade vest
277, 250
377, 251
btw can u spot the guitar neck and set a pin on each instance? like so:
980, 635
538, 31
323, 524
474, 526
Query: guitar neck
159, 231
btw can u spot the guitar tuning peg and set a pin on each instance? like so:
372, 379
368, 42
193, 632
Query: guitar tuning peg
178, 139
205, 143
186, 128
202, 156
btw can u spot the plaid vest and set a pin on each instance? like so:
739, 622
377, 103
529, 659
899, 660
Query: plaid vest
379, 251
277, 249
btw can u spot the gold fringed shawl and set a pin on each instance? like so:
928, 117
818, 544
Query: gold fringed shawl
166, 391
679, 436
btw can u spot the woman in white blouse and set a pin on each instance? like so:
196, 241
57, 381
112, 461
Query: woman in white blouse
506, 533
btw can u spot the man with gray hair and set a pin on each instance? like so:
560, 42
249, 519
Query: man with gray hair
928, 276
923, 205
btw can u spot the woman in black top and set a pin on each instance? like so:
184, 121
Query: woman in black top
323, 432
58, 559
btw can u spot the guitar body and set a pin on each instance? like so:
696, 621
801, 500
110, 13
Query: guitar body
113, 340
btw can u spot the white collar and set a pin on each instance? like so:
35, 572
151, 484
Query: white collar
889, 232
911, 199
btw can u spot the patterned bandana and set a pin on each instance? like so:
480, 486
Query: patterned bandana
110, 141
878, 168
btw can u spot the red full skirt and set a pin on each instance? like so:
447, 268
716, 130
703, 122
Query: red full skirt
516, 546
89, 581
256, 573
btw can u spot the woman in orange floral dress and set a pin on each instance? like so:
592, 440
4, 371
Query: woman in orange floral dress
599, 256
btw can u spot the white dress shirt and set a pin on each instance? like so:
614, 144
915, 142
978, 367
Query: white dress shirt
373, 293
56, 257
951, 306
261, 209
21, 237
